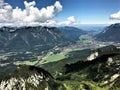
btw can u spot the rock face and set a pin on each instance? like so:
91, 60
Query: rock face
110, 33
28, 78
92, 56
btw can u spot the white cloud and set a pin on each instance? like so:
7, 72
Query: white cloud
1, 2
30, 14
58, 6
70, 20
115, 16
51, 22
5, 11
29, 4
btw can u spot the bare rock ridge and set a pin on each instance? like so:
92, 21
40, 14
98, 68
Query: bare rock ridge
28, 78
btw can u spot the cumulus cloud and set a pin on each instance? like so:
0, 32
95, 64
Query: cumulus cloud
115, 16
70, 20
58, 6
30, 14
51, 22
5, 12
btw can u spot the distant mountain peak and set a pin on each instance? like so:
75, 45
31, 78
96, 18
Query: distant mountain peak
110, 33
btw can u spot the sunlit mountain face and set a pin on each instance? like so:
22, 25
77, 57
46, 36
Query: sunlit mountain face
59, 45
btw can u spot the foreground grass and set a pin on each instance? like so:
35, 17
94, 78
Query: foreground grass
83, 85
57, 57
53, 58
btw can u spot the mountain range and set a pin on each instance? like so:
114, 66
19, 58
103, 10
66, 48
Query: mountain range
59, 45
86, 69
72, 33
110, 33
37, 37
102, 72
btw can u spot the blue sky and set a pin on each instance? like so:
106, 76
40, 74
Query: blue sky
84, 11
